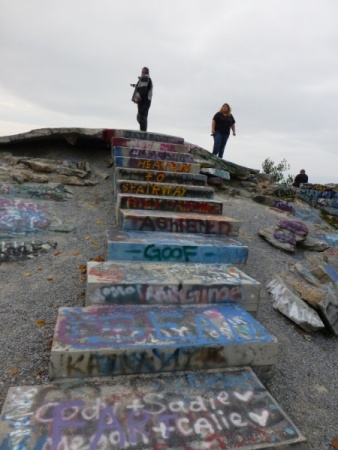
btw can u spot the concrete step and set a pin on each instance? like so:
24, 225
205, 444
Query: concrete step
156, 176
162, 189
136, 134
216, 173
149, 164
151, 246
158, 203
127, 152
224, 409
160, 283
149, 145
121, 340
170, 222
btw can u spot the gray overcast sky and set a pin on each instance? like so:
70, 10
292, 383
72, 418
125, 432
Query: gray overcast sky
69, 63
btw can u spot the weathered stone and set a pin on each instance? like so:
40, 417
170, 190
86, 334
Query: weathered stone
286, 302
215, 181
282, 239
73, 181
311, 294
70, 172
39, 166
263, 200
328, 309
235, 170
307, 274
217, 173
315, 245
51, 133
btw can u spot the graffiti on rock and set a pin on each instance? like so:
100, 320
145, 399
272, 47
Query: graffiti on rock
42, 192
16, 251
164, 204
222, 410
153, 189
112, 326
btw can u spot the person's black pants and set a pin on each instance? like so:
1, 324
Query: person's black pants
142, 114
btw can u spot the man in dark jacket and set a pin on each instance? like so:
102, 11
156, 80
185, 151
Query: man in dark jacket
300, 178
142, 96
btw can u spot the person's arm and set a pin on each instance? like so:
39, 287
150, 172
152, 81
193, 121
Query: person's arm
213, 125
233, 126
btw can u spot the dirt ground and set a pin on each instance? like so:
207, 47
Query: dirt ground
305, 379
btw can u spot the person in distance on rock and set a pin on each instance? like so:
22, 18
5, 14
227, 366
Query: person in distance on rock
222, 122
300, 178
142, 96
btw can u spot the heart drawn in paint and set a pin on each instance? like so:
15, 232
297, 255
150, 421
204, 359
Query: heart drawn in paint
244, 397
260, 419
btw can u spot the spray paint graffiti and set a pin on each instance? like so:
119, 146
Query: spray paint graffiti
104, 341
155, 176
42, 192
149, 145
115, 327
283, 206
164, 204
164, 295
224, 410
320, 196
152, 189
152, 154
20, 216
124, 272
185, 224
16, 251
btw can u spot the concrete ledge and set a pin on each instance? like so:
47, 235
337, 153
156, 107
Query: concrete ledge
171, 247
150, 164
170, 222
160, 283
175, 204
115, 340
156, 176
128, 152
227, 409
136, 134
163, 189
217, 173
149, 145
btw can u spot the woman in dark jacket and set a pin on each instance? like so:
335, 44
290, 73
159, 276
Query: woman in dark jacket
221, 124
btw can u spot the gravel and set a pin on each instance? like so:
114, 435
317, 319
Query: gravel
305, 378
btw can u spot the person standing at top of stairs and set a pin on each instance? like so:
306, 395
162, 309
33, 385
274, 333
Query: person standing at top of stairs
222, 122
142, 96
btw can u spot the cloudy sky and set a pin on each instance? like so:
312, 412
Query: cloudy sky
69, 63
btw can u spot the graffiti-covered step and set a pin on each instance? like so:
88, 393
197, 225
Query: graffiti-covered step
152, 246
174, 222
121, 340
128, 152
161, 283
175, 204
143, 135
163, 189
227, 409
149, 145
158, 176
154, 164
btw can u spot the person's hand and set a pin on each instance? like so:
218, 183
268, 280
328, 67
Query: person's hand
234, 134
133, 85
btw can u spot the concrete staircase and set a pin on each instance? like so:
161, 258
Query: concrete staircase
172, 303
